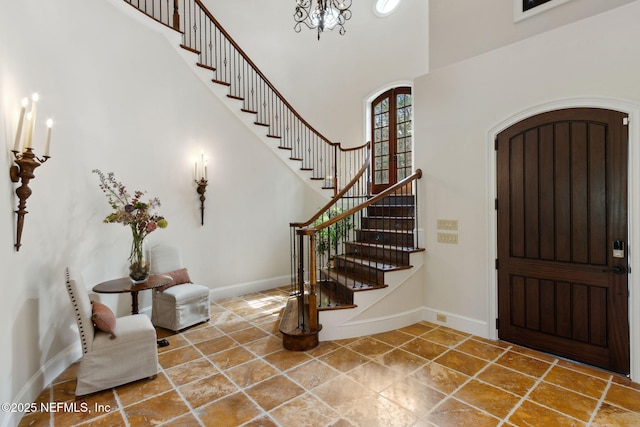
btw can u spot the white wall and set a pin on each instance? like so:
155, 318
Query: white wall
461, 29
459, 106
122, 101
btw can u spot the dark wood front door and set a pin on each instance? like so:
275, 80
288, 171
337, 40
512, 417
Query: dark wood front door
562, 203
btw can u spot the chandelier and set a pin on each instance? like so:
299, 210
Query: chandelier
326, 15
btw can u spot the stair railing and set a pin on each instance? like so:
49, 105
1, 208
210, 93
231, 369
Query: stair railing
315, 242
230, 66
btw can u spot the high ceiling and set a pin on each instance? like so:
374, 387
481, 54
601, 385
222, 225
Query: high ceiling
328, 80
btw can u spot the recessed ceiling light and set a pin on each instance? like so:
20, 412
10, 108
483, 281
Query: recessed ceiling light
385, 7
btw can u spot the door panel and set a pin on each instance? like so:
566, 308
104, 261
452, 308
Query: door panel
562, 201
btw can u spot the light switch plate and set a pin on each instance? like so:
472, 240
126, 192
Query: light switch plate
447, 224
448, 238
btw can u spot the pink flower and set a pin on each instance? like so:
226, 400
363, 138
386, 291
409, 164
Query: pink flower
151, 226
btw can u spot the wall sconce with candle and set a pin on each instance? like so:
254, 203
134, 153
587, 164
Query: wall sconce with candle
26, 160
200, 177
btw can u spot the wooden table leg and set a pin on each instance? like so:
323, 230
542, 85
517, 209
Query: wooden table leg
134, 302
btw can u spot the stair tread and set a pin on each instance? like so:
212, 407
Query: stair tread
389, 247
384, 230
353, 284
367, 262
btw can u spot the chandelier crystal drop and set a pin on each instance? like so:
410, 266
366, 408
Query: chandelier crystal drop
325, 15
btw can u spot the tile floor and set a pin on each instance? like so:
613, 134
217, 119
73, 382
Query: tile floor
233, 371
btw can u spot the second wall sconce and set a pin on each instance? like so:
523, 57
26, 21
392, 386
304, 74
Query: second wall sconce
200, 177
26, 160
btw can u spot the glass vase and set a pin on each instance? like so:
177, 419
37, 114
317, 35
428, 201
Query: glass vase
139, 265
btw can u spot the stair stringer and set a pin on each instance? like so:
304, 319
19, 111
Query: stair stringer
221, 91
398, 305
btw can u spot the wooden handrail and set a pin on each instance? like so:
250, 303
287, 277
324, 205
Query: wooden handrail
341, 193
416, 175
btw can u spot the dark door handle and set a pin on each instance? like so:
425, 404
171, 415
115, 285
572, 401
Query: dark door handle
616, 269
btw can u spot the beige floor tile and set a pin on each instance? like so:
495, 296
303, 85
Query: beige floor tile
530, 414
609, 415
426, 349
230, 411
191, 371
370, 347
453, 413
216, 345
402, 361
178, 356
344, 359
341, 393
285, 359
208, 389
155, 410
624, 397
481, 349
379, 411
229, 358
143, 389
375, 376
483, 396
562, 400
413, 396
263, 393
312, 374
507, 379
304, 410
250, 373
461, 362
523, 364
444, 337
575, 381
440, 377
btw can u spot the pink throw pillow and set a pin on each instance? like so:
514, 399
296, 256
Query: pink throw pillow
178, 277
103, 318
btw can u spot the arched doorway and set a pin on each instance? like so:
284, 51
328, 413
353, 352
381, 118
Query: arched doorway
562, 235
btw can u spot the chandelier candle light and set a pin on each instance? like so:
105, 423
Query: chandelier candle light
25, 159
326, 15
200, 177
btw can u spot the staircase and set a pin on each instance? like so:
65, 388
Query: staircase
356, 245
382, 244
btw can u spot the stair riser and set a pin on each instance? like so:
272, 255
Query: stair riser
397, 211
383, 238
383, 255
379, 223
332, 294
361, 273
405, 199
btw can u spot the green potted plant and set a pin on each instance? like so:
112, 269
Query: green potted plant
330, 237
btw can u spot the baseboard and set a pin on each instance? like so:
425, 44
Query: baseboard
455, 321
47, 373
248, 287
372, 326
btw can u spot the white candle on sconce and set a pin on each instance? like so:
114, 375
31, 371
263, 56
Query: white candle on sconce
48, 138
23, 109
34, 107
27, 131
205, 170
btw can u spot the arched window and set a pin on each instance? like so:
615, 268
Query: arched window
391, 131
